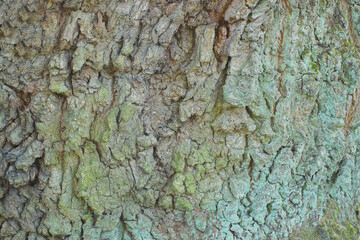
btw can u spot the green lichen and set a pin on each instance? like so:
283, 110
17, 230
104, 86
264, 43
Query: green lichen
177, 184
77, 122
200, 223
69, 205
209, 166
331, 226
110, 122
89, 175
102, 188
190, 183
147, 198
116, 131
221, 163
201, 155
128, 47
49, 130
57, 224
210, 183
314, 67
165, 202
182, 204
59, 87
128, 111
178, 162
16, 135
81, 54
119, 63
199, 171
147, 161
104, 95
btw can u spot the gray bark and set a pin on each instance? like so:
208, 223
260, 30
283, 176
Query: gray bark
154, 119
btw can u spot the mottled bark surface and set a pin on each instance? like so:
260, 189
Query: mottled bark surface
169, 119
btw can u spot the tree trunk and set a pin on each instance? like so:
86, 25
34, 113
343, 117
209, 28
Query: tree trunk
170, 119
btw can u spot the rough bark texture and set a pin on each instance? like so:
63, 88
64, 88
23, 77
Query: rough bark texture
169, 119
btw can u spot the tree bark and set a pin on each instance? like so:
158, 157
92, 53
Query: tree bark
170, 119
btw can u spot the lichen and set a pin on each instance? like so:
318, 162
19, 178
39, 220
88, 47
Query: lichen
179, 119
